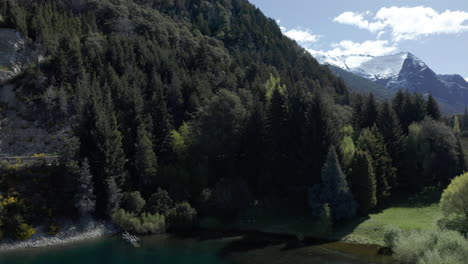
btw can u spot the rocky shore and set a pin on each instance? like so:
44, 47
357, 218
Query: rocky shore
71, 233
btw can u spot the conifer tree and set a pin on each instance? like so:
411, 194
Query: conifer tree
85, 200
333, 190
398, 103
432, 107
160, 117
370, 112
465, 119
278, 132
146, 161
103, 141
363, 182
372, 142
321, 131
358, 113
113, 196
389, 126
456, 126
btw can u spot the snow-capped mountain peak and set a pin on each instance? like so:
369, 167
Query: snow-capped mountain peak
373, 67
383, 67
405, 71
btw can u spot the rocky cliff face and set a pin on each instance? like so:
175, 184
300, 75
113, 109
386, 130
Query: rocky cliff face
18, 136
15, 53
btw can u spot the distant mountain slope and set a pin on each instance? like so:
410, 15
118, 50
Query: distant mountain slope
405, 71
362, 85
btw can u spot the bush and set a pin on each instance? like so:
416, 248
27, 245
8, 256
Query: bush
428, 247
160, 202
24, 232
53, 229
182, 216
454, 204
456, 223
455, 197
143, 224
133, 202
391, 235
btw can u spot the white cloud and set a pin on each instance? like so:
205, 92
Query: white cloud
406, 23
466, 79
369, 47
304, 37
358, 20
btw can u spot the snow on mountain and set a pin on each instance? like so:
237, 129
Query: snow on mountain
347, 62
406, 72
383, 67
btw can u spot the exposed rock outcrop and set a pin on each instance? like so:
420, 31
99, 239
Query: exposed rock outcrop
15, 53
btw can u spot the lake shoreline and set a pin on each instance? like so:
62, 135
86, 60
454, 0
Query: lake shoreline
248, 239
71, 233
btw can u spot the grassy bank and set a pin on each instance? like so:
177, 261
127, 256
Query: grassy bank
408, 213
371, 229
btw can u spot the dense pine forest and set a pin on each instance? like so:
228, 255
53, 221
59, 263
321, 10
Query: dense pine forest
180, 109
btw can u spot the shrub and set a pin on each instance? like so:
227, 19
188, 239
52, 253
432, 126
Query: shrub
53, 229
457, 223
160, 202
143, 224
133, 202
430, 247
24, 232
455, 197
454, 204
391, 235
182, 216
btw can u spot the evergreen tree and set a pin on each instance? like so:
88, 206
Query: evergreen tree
432, 107
389, 127
363, 182
321, 131
461, 156
398, 104
85, 200
102, 140
159, 115
358, 113
146, 161
370, 112
113, 194
456, 126
417, 108
372, 142
333, 190
278, 133
465, 119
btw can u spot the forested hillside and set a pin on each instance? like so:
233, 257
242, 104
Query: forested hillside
206, 102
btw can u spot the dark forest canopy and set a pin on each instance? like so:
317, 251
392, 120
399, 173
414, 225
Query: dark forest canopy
209, 101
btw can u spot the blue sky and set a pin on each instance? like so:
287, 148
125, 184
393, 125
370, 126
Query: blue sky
434, 30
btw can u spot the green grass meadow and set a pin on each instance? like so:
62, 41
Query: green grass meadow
406, 213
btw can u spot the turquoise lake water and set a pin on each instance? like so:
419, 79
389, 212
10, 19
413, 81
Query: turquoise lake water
165, 249
160, 250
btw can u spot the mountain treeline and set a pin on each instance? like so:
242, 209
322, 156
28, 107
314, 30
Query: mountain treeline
203, 101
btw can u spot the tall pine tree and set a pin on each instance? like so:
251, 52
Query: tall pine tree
333, 190
146, 161
432, 107
363, 182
